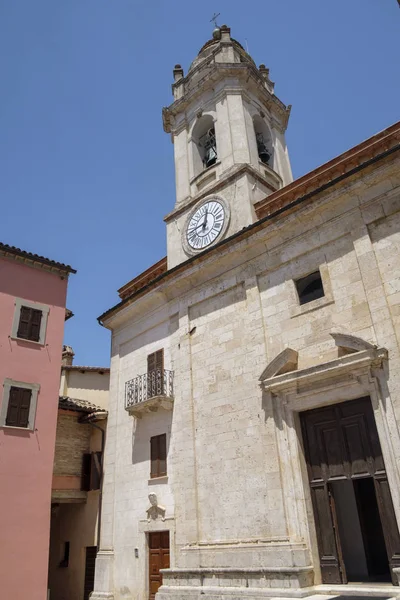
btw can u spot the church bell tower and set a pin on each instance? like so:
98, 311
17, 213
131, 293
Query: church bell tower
228, 130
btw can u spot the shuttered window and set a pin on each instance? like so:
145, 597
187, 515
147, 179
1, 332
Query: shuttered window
155, 361
155, 374
29, 324
19, 403
91, 471
158, 456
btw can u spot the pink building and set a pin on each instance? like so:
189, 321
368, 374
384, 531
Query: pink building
32, 313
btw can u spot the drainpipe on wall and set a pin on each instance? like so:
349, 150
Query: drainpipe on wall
103, 441
89, 420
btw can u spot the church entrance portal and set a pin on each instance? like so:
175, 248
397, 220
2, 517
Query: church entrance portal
357, 533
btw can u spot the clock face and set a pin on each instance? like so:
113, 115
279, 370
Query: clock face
206, 224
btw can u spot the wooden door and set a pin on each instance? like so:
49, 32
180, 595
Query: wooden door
341, 442
90, 564
389, 523
158, 559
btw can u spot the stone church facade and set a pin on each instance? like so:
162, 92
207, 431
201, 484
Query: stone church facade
253, 438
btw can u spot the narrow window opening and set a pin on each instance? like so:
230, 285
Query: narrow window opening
310, 288
65, 556
91, 471
204, 144
208, 145
263, 140
158, 456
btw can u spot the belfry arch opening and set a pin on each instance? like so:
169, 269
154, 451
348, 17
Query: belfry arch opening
204, 144
263, 140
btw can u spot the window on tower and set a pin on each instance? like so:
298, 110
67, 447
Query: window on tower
209, 146
204, 144
263, 140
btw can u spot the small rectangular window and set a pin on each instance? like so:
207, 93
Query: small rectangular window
19, 403
64, 562
91, 471
29, 324
158, 456
310, 288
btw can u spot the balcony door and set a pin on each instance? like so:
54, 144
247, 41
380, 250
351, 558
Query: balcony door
155, 374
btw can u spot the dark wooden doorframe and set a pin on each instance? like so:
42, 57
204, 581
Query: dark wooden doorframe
341, 442
159, 558
90, 562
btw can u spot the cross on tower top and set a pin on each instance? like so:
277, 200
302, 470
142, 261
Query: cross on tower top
214, 18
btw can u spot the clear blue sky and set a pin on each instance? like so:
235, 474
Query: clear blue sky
86, 170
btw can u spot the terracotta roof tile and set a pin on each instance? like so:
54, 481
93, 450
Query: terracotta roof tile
67, 403
83, 368
18, 253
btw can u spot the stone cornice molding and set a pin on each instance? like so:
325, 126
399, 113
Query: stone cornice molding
361, 360
229, 176
245, 71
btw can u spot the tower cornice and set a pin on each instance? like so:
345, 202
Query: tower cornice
218, 71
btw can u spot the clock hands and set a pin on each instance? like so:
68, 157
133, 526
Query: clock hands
205, 219
202, 225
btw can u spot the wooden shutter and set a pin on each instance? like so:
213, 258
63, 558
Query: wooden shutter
155, 361
158, 455
36, 319
19, 403
24, 322
86, 468
95, 470
25, 404
151, 362
162, 459
154, 456
29, 324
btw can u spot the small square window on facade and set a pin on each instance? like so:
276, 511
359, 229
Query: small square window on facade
158, 456
30, 321
18, 407
310, 288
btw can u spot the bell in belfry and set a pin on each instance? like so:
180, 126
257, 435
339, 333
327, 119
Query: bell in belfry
263, 152
210, 148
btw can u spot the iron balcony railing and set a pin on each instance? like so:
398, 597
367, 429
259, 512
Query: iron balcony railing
159, 382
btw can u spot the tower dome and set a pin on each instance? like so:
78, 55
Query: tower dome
216, 43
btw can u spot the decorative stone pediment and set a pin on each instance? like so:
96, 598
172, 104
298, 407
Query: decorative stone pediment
155, 510
349, 365
285, 362
350, 343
